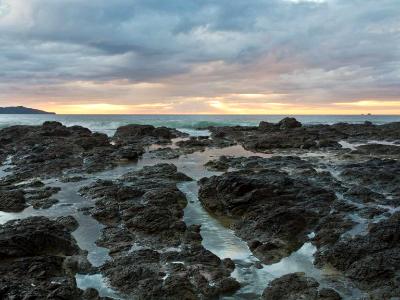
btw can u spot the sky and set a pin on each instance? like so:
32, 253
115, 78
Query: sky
201, 56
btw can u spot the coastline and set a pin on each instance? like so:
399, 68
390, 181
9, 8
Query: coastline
297, 197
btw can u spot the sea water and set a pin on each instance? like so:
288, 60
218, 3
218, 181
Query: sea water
189, 123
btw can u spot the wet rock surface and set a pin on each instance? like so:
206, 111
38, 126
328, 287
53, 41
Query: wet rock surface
145, 135
371, 260
378, 175
52, 148
12, 200
154, 254
272, 210
291, 134
353, 230
297, 286
312, 189
201, 143
378, 149
38, 260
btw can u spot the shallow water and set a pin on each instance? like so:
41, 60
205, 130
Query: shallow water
353, 146
222, 241
217, 238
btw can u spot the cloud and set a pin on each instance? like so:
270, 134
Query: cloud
100, 51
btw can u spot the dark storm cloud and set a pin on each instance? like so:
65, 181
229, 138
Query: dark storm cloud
347, 48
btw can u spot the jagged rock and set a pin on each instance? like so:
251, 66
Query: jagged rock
297, 286
154, 254
377, 149
33, 256
272, 211
291, 134
12, 200
372, 261
289, 123
50, 149
377, 175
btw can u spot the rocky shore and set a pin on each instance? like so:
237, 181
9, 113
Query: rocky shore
336, 187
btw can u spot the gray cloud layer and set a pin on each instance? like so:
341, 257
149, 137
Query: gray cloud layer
310, 51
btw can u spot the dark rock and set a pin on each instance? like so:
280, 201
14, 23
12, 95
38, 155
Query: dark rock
289, 123
12, 200
154, 254
133, 130
200, 143
364, 195
272, 211
165, 153
33, 256
297, 286
331, 228
266, 126
290, 134
377, 149
52, 148
378, 175
68, 222
145, 134
372, 261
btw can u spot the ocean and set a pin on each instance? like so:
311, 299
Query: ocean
188, 123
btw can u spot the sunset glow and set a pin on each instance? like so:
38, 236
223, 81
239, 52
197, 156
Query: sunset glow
205, 57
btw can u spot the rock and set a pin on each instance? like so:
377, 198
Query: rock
33, 255
93, 141
375, 174
289, 123
129, 152
266, 126
372, 261
12, 200
328, 294
133, 130
145, 134
154, 254
271, 210
364, 195
200, 143
165, 153
42, 197
90, 294
295, 164
68, 222
296, 286
222, 164
52, 148
49, 149
291, 134
377, 149
331, 228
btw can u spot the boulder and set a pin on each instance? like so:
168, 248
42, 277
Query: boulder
12, 200
297, 286
289, 123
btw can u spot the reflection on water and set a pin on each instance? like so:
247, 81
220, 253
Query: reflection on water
88, 232
98, 282
353, 146
223, 242
217, 238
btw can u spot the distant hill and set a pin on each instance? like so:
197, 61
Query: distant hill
22, 110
